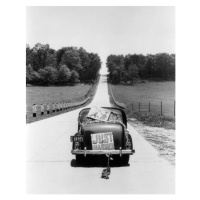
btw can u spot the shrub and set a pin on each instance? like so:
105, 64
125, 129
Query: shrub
64, 74
48, 75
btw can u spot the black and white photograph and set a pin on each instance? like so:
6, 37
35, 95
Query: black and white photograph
100, 100
111, 95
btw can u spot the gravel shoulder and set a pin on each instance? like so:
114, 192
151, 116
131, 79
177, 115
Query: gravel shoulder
163, 140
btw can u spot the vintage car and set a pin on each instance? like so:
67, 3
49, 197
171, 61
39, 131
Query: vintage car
102, 131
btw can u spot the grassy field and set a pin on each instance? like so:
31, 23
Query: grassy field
44, 95
143, 93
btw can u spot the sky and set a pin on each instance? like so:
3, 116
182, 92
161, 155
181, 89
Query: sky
103, 30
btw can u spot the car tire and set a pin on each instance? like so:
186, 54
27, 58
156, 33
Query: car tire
124, 159
79, 159
121, 160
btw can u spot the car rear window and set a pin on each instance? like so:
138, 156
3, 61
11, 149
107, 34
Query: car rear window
115, 116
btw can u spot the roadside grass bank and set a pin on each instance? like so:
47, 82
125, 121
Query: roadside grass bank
77, 93
154, 120
147, 96
41, 95
163, 140
149, 119
158, 130
150, 102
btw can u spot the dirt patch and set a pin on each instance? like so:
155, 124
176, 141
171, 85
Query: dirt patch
163, 140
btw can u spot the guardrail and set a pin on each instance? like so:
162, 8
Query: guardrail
119, 104
38, 110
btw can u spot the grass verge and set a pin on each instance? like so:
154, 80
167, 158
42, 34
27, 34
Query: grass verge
148, 119
163, 140
154, 120
157, 129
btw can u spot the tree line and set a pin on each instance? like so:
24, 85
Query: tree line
129, 68
68, 65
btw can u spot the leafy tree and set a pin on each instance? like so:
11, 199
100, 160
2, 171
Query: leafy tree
116, 63
71, 59
43, 56
36, 78
29, 74
93, 68
85, 62
115, 77
139, 61
64, 74
39, 56
32, 77
133, 72
28, 55
51, 58
159, 66
48, 75
46, 66
74, 77
111, 67
84, 56
149, 65
142, 72
59, 55
162, 63
172, 72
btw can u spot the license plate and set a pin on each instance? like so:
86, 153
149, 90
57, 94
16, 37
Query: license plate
76, 138
102, 141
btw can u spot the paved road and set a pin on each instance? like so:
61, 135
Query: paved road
51, 168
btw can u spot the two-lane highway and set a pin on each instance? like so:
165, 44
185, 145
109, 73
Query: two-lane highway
51, 169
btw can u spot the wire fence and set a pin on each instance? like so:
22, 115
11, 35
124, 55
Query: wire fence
163, 107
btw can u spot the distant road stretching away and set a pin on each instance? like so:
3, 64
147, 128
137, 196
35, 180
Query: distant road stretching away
49, 157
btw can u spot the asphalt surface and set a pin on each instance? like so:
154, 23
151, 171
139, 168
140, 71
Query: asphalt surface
51, 168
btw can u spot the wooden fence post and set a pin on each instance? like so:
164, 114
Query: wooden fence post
26, 111
48, 108
42, 109
139, 106
161, 107
34, 109
149, 107
53, 107
174, 108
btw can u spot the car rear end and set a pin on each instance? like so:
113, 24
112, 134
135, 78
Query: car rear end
101, 138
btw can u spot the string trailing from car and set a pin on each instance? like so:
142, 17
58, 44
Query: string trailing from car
106, 172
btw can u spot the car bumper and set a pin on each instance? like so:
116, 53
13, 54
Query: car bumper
101, 152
